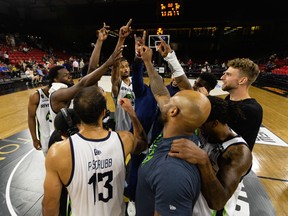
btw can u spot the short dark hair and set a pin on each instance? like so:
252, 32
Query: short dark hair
223, 111
53, 72
89, 103
210, 79
219, 109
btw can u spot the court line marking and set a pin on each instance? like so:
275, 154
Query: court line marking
274, 179
7, 193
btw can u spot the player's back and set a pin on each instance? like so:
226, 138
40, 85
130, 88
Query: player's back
97, 182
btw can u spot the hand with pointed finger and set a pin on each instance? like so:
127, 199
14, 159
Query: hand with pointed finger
103, 32
125, 31
163, 48
139, 41
146, 53
115, 56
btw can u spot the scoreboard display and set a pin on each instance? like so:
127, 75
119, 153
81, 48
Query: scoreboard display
170, 9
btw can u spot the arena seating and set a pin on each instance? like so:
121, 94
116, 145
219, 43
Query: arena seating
37, 54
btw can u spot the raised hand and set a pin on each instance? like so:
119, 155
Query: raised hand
163, 48
139, 41
115, 56
126, 105
146, 53
125, 30
103, 32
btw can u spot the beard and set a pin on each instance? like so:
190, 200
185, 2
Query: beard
69, 84
231, 85
226, 88
124, 76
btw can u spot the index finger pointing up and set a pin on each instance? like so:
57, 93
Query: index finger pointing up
129, 22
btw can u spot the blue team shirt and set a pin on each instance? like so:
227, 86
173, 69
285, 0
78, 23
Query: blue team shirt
169, 185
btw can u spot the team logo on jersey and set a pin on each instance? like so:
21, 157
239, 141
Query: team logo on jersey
171, 207
131, 98
152, 149
97, 152
47, 116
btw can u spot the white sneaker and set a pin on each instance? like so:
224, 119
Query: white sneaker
131, 209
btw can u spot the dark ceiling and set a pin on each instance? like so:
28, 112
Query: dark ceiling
63, 11
75, 20
32, 13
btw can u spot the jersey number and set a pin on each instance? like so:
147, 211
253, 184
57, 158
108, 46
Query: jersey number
100, 177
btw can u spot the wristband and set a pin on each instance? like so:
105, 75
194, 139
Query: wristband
178, 73
172, 60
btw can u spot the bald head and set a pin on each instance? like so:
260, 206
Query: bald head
187, 110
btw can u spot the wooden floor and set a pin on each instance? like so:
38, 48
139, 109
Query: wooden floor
269, 162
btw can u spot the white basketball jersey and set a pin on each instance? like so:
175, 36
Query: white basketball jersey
42, 119
96, 185
123, 121
201, 207
52, 114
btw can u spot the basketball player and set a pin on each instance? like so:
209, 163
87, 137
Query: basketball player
145, 108
223, 160
170, 57
205, 82
167, 185
63, 90
237, 79
38, 118
122, 83
102, 35
179, 78
62, 86
91, 163
66, 123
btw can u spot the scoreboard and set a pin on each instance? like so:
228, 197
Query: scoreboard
170, 9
